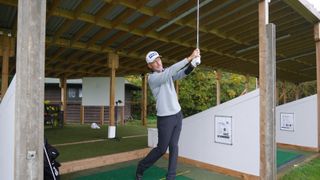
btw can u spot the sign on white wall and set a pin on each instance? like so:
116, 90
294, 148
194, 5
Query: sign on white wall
96, 91
287, 121
223, 129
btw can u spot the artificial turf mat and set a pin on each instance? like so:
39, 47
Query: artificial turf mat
153, 173
284, 157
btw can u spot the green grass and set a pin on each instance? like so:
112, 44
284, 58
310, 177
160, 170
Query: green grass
87, 150
152, 122
77, 133
309, 171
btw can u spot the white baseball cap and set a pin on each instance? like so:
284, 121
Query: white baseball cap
151, 56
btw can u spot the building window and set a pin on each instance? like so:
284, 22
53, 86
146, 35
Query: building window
80, 93
72, 93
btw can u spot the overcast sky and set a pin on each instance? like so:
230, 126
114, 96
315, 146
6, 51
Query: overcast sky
316, 3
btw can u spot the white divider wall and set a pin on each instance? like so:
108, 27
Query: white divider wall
7, 132
197, 139
304, 123
96, 91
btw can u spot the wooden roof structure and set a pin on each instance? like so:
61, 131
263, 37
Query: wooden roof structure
81, 33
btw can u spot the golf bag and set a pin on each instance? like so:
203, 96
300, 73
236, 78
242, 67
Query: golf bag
51, 166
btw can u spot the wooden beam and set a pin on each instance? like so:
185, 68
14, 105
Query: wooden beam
267, 90
113, 63
57, 53
168, 16
218, 169
102, 12
161, 7
51, 9
29, 93
81, 7
96, 162
305, 9
126, 42
317, 41
146, 43
7, 42
63, 88
218, 86
112, 39
63, 28
155, 35
144, 100
9, 2
81, 33
5, 65
103, 32
118, 20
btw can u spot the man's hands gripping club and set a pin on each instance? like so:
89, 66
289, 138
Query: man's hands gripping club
195, 58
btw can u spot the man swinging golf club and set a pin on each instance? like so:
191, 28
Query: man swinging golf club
169, 116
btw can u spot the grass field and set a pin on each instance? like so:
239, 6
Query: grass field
308, 171
78, 133
75, 133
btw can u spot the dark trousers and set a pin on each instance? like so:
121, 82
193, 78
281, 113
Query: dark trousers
169, 128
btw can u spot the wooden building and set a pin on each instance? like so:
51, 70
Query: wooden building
91, 113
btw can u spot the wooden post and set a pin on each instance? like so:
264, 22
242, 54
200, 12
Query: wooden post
81, 114
113, 63
297, 92
102, 115
257, 83
317, 41
218, 86
267, 91
144, 100
5, 65
176, 86
29, 94
63, 108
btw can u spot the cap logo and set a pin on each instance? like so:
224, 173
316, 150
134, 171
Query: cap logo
152, 54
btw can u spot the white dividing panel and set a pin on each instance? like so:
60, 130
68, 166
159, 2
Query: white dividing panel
304, 133
7, 133
96, 91
197, 140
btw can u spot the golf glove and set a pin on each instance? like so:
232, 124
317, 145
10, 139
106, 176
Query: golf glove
196, 61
